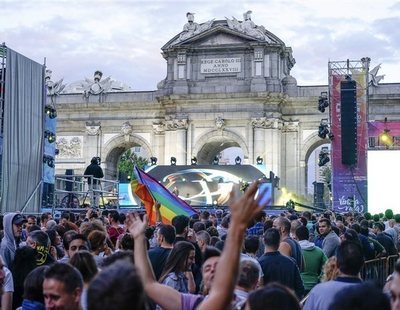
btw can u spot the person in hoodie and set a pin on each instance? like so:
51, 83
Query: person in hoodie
314, 259
12, 223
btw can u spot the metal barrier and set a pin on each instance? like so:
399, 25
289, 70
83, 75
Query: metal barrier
75, 191
376, 270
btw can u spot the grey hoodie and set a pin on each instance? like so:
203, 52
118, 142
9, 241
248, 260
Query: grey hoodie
306, 245
8, 245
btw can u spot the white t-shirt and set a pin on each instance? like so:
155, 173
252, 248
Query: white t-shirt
8, 281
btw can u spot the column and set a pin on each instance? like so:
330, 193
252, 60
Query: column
159, 143
176, 140
290, 133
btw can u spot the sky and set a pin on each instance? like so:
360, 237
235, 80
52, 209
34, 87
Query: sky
123, 38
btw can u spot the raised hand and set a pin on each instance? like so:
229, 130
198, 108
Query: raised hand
136, 226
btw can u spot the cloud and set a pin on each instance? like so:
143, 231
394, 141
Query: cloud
124, 38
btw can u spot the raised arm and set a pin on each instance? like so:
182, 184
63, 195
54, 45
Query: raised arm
157, 207
165, 296
242, 211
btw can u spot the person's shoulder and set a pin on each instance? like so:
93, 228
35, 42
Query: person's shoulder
191, 301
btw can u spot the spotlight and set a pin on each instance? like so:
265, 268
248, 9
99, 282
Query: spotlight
216, 160
386, 138
323, 129
50, 136
331, 136
259, 160
238, 160
323, 158
323, 101
173, 161
49, 160
194, 160
50, 111
153, 161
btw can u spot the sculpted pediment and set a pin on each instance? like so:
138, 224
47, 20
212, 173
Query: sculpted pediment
222, 32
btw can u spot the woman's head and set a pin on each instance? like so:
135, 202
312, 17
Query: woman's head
85, 263
180, 259
97, 240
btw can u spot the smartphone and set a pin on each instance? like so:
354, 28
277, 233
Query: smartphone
265, 190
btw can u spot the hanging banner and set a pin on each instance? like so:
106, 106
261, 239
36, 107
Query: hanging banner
349, 183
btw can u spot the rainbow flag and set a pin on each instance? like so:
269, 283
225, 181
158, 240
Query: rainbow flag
150, 190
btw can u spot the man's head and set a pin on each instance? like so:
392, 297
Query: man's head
117, 287
249, 274
378, 227
203, 239
31, 220
165, 235
283, 225
40, 241
251, 244
324, 226
17, 222
77, 243
181, 223
271, 239
302, 233
113, 217
62, 287
260, 216
210, 260
38, 238
350, 258
44, 218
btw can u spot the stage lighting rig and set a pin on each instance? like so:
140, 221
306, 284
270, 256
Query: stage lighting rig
194, 161
216, 160
323, 101
50, 136
238, 160
259, 160
153, 161
323, 129
323, 158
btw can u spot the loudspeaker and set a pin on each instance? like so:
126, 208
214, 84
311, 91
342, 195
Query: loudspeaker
68, 184
348, 114
318, 194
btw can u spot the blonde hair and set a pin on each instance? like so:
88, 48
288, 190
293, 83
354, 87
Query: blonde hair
331, 270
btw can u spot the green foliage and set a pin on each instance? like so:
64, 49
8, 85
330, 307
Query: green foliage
327, 175
368, 216
381, 215
376, 217
128, 160
397, 218
389, 214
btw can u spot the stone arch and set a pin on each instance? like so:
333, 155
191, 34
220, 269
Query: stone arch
213, 142
309, 145
114, 148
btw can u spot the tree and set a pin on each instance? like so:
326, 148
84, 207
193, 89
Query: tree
128, 160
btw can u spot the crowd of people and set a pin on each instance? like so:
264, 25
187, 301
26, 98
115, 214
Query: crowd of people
239, 258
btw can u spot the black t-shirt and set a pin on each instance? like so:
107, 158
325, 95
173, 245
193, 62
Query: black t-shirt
94, 170
158, 256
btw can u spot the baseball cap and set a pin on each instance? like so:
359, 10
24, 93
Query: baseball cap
19, 219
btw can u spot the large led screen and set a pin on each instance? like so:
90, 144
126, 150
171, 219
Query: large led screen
383, 181
201, 185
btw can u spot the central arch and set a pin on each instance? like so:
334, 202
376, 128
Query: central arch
116, 147
212, 143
